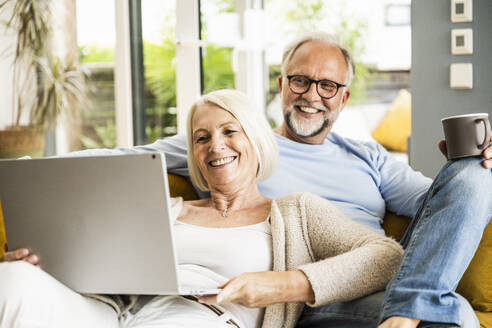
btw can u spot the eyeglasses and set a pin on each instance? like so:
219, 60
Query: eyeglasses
300, 84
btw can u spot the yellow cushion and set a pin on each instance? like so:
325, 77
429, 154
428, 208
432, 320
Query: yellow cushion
394, 129
180, 187
485, 319
476, 284
395, 225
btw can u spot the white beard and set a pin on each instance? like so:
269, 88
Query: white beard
304, 127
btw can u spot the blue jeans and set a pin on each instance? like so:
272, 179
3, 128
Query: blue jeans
439, 244
364, 313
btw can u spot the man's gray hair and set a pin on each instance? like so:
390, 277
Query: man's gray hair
254, 125
318, 36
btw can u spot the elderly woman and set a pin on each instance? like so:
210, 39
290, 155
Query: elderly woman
270, 257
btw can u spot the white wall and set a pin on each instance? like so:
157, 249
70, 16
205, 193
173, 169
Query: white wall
7, 41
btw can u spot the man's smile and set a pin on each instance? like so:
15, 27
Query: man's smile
303, 110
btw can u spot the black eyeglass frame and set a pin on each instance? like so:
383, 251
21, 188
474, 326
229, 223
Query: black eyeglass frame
339, 85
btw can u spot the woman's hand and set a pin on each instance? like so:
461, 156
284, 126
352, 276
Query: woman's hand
399, 322
21, 254
260, 289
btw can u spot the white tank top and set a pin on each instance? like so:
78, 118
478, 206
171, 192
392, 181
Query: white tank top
210, 257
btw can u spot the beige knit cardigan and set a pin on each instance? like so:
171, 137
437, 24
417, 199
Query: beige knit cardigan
342, 259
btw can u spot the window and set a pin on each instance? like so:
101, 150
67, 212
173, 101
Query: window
97, 55
232, 44
220, 31
159, 52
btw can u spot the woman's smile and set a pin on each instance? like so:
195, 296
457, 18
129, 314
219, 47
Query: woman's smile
222, 161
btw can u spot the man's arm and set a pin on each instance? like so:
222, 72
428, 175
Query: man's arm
402, 188
174, 148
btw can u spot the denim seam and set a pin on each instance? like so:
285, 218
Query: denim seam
403, 268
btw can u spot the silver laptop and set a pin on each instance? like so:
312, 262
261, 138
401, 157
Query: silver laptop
99, 224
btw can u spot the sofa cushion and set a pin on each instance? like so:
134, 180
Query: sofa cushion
180, 187
394, 129
395, 225
485, 319
476, 284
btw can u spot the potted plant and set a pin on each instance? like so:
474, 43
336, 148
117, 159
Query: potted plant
44, 86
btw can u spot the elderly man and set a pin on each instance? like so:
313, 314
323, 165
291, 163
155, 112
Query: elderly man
363, 180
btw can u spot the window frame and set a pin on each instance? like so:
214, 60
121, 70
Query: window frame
250, 72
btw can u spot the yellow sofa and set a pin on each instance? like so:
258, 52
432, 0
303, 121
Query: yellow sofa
476, 284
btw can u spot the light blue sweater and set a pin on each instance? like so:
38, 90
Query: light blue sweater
361, 178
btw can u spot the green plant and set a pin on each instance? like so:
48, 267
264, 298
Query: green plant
217, 69
30, 19
106, 135
63, 88
273, 89
59, 84
96, 54
302, 16
352, 33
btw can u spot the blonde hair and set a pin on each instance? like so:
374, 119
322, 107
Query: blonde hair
255, 127
318, 36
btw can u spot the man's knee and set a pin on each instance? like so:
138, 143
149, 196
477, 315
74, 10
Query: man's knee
362, 313
466, 181
19, 281
469, 175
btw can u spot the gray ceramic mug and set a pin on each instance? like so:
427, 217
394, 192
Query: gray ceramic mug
466, 135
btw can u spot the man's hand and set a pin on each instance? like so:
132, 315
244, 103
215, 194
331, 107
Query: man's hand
399, 322
487, 152
260, 289
21, 254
